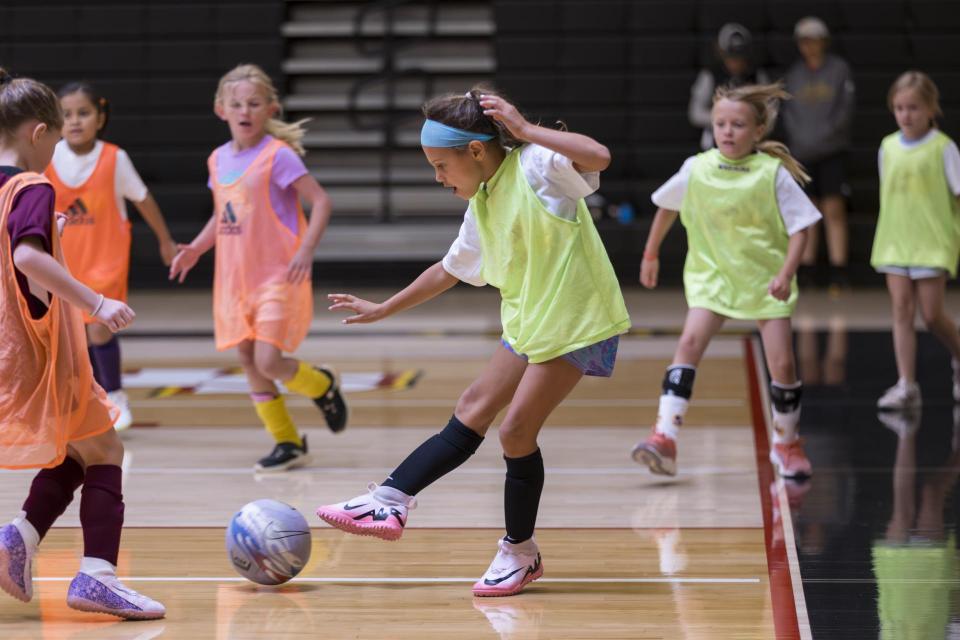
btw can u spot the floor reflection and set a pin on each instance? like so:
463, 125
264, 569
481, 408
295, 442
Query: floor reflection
876, 534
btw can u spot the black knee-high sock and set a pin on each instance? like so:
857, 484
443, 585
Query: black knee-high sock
51, 492
521, 495
101, 512
436, 457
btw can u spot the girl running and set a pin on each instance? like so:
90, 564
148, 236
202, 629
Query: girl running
747, 220
527, 232
93, 179
262, 301
52, 414
918, 233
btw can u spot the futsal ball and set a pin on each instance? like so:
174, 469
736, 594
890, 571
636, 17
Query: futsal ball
268, 542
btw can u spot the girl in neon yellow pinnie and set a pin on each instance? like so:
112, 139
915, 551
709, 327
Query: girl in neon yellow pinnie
918, 233
747, 220
528, 233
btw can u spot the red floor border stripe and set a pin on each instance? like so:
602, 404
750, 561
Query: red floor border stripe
781, 588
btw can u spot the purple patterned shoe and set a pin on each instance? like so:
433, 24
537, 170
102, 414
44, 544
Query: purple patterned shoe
106, 594
15, 566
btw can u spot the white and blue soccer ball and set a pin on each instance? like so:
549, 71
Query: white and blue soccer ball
268, 542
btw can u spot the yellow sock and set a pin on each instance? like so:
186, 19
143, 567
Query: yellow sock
309, 382
273, 414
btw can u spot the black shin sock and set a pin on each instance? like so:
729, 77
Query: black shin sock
521, 495
437, 456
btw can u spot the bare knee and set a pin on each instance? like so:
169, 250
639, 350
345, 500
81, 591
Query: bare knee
834, 209
269, 364
106, 448
477, 408
690, 343
518, 437
930, 313
783, 367
904, 308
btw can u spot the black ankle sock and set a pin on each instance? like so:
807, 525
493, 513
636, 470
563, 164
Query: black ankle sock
437, 456
521, 495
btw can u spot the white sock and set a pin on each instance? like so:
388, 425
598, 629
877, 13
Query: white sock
670, 415
97, 567
903, 384
27, 531
528, 547
392, 496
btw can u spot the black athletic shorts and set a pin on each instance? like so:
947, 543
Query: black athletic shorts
829, 176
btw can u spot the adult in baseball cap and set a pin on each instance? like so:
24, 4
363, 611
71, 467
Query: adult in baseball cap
733, 66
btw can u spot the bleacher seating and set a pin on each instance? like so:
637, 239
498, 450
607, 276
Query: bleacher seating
619, 70
158, 62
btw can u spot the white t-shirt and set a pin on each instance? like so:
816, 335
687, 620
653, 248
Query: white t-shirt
951, 159
797, 211
556, 182
75, 169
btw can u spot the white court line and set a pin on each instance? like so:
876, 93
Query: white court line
374, 580
481, 471
201, 402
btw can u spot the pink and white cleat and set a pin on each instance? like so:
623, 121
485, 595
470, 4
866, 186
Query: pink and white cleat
790, 460
514, 567
15, 564
381, 513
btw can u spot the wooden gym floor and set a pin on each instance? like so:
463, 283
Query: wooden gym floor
708, 554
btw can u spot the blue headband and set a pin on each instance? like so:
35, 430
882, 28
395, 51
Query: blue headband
436, 134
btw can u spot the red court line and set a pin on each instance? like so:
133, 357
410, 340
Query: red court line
781, 588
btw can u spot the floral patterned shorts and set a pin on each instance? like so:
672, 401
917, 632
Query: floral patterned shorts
596, 359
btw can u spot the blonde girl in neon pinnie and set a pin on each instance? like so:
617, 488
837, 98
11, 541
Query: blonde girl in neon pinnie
262, 298
917, 242
747, 221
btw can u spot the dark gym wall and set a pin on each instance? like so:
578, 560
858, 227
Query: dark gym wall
158, 62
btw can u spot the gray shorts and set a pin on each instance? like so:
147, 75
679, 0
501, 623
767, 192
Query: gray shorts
914, 273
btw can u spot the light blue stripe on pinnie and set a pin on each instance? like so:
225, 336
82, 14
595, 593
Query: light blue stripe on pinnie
437, 134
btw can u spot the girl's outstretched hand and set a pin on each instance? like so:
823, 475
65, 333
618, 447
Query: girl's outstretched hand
185, 260
364, 310
780, 287
649, 272
502, 111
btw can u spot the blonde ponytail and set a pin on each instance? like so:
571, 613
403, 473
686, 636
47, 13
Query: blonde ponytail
765, 101
290, 132
782, 153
